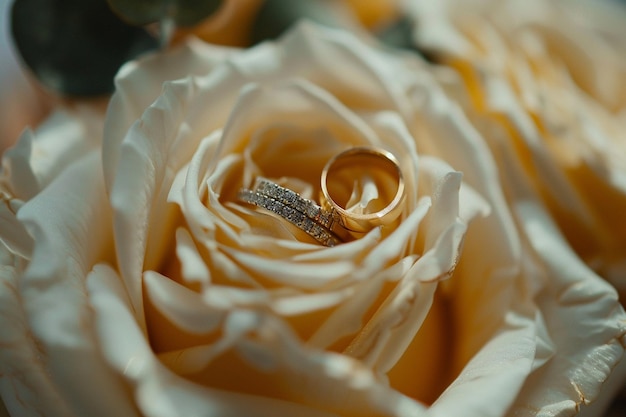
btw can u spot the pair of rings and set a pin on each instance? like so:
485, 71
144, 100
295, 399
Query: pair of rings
337, 218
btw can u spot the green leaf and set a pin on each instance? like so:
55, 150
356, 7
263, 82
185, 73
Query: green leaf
399, 34
181, 12
75, 47
276, 16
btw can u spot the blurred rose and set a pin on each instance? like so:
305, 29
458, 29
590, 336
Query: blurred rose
21, 103
544, 84
230, 25
132, 267
233, 22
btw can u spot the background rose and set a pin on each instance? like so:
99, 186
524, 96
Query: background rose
192, 146
233, 24
20, 103
543, 82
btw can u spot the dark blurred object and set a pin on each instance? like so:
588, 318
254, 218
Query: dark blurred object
618, 407
399, 34
22, 102
75, 47
181, 12
276, 16
230, 25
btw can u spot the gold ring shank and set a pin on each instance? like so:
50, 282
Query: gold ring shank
371, 160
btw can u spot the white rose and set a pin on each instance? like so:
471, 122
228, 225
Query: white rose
545, 87
542, 83
140, 286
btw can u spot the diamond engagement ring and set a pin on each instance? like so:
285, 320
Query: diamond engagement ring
286, 203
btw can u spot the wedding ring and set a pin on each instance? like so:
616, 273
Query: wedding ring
294, 200
310, 208
344, 170
289, 205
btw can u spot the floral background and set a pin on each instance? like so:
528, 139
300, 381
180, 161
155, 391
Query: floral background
17, 97
489, 297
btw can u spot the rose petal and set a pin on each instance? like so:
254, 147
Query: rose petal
40, 156
25, 386
549, 98
360, 77
144, 176
347, 319
583, 318
296, 102
138, 83
309, 276
608, 394
160, 393
13, 235
193, 267
184, 307
492, 379
446, 132
70, 220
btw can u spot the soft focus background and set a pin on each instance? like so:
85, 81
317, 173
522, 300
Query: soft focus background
22, 103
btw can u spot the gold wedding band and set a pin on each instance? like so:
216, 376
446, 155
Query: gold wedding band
338, 180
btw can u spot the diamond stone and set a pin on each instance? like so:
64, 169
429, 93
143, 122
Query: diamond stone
297, 217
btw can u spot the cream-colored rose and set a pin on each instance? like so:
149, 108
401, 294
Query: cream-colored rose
544, 84
136, 283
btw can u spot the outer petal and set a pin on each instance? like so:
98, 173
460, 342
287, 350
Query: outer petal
551, 94
26, 389
70, 220
490, 297
467, 30
13, 235
38, 158
160, 393
138, 83
494, 320
583, 318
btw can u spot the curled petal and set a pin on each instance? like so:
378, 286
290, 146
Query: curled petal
139, 83
12, 232
40, 156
